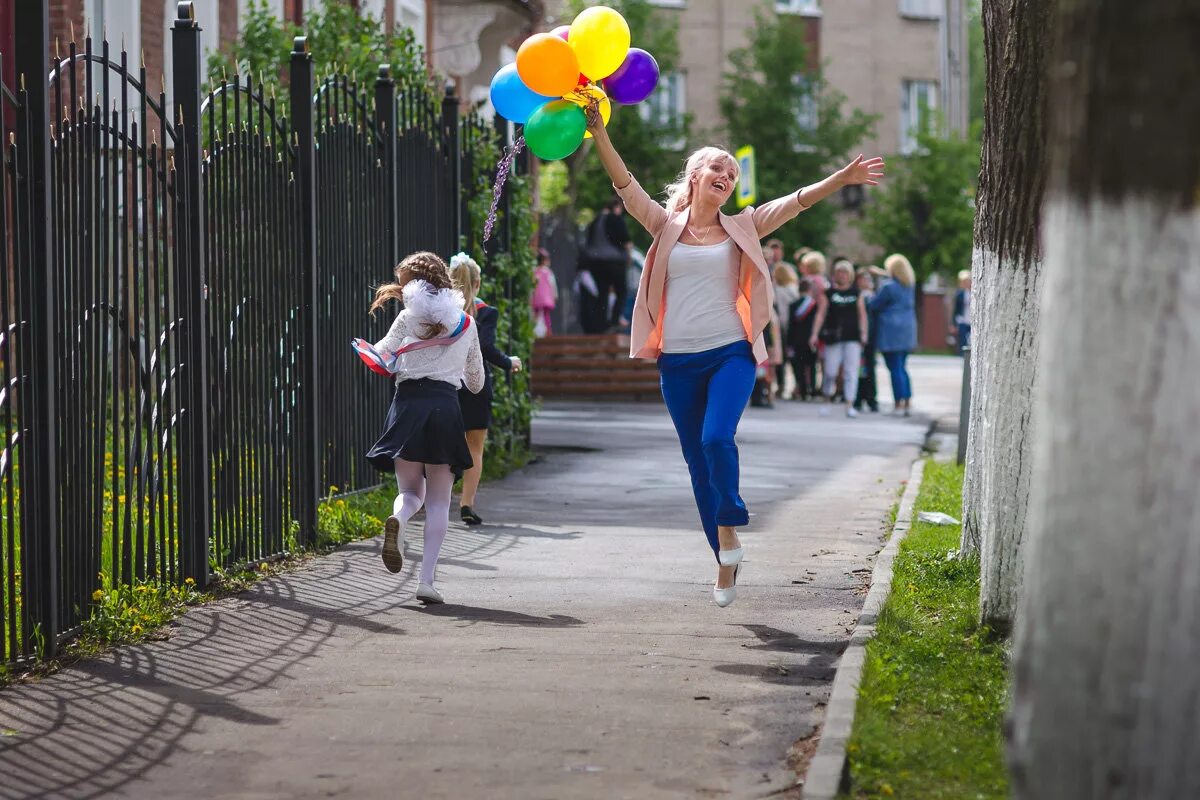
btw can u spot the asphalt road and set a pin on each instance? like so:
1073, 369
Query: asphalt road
579, 655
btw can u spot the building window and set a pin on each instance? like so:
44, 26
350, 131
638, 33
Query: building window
806, 111
667, 105
921, 9
917, 100
808, 8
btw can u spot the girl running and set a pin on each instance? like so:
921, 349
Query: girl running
477, 406
432, 349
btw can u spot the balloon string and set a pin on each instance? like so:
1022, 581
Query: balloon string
502, 170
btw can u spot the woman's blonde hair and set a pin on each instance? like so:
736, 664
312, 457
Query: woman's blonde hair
679, 193
899, 268
842, 265
465, 276
785, 275
422, 266
813, 263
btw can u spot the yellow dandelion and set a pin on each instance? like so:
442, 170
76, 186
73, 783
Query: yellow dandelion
96, 595
189, 581
136, 629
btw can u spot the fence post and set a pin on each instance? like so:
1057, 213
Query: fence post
964, 407
454, 151
38, 445
385, 123
308, 436
195, 465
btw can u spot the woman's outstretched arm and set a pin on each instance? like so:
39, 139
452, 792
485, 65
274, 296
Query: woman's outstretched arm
614, 165
637, 202
861, 170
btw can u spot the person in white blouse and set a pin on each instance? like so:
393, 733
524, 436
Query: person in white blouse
424, 439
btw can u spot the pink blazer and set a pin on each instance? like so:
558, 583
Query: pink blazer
757, 294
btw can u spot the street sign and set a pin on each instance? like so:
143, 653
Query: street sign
746, 183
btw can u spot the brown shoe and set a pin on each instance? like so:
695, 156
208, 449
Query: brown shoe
393, 559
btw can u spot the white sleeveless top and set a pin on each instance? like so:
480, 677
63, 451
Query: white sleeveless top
701, 298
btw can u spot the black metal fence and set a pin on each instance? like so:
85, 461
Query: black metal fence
180, 286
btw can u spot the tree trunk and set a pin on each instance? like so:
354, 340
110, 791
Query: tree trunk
1106, 686
1006, 277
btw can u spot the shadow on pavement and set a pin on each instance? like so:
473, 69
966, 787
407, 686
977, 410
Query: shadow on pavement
497, 616
774, 639
96, 728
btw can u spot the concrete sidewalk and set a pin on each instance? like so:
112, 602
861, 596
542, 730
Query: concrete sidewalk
579, 655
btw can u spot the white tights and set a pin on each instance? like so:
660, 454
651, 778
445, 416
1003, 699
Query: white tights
429, 485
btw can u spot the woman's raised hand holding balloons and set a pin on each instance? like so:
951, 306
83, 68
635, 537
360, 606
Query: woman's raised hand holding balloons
556, 77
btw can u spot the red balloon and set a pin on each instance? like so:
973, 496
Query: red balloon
584, 80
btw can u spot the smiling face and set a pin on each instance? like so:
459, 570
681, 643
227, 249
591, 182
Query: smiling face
843, 277
714, 179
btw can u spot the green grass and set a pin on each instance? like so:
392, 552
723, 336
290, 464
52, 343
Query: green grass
932, 697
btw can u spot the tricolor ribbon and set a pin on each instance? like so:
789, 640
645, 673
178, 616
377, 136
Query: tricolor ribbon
388, 364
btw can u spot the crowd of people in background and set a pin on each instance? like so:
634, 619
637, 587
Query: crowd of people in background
832, 324
833, 320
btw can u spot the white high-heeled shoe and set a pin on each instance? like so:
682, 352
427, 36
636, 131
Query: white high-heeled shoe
725, 597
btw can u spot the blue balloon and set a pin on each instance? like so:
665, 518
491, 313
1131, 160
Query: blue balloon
511, 98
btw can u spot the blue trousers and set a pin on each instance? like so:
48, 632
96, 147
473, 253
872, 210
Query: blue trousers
901, 385
706, 394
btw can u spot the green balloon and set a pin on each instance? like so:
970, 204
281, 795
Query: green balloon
555, 130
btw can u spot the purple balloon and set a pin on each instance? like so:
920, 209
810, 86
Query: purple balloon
634, 80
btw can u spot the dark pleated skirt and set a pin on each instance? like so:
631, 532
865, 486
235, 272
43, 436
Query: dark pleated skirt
476, 408
425, 425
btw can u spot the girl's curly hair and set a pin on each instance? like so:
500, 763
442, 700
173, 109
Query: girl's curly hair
422, 266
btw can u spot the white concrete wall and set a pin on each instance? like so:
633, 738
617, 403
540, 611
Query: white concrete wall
118, 20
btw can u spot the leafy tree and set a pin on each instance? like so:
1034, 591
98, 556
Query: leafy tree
775, 99
976, 75
641, 142
341, 39
926, 209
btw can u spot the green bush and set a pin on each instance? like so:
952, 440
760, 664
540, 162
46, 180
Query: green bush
341, 520
124, 613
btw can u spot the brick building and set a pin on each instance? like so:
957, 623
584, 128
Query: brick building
464, 38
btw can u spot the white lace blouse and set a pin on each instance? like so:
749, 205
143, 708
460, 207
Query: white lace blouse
454, 364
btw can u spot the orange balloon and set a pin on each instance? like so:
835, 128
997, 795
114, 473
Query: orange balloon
547, 65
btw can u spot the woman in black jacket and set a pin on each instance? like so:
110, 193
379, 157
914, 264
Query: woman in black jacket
477, 408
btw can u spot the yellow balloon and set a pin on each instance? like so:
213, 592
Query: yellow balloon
600, 38
582, 96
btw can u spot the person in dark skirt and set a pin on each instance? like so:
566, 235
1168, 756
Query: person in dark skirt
801, 315
432, 348
465, 277
867, 391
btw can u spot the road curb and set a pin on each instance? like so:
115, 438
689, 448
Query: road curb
828, 772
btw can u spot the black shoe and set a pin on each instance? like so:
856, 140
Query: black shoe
470, 517
874, 408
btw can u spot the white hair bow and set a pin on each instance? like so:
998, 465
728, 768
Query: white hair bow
458, 258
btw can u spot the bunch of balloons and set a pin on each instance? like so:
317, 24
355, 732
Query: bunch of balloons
559, 74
